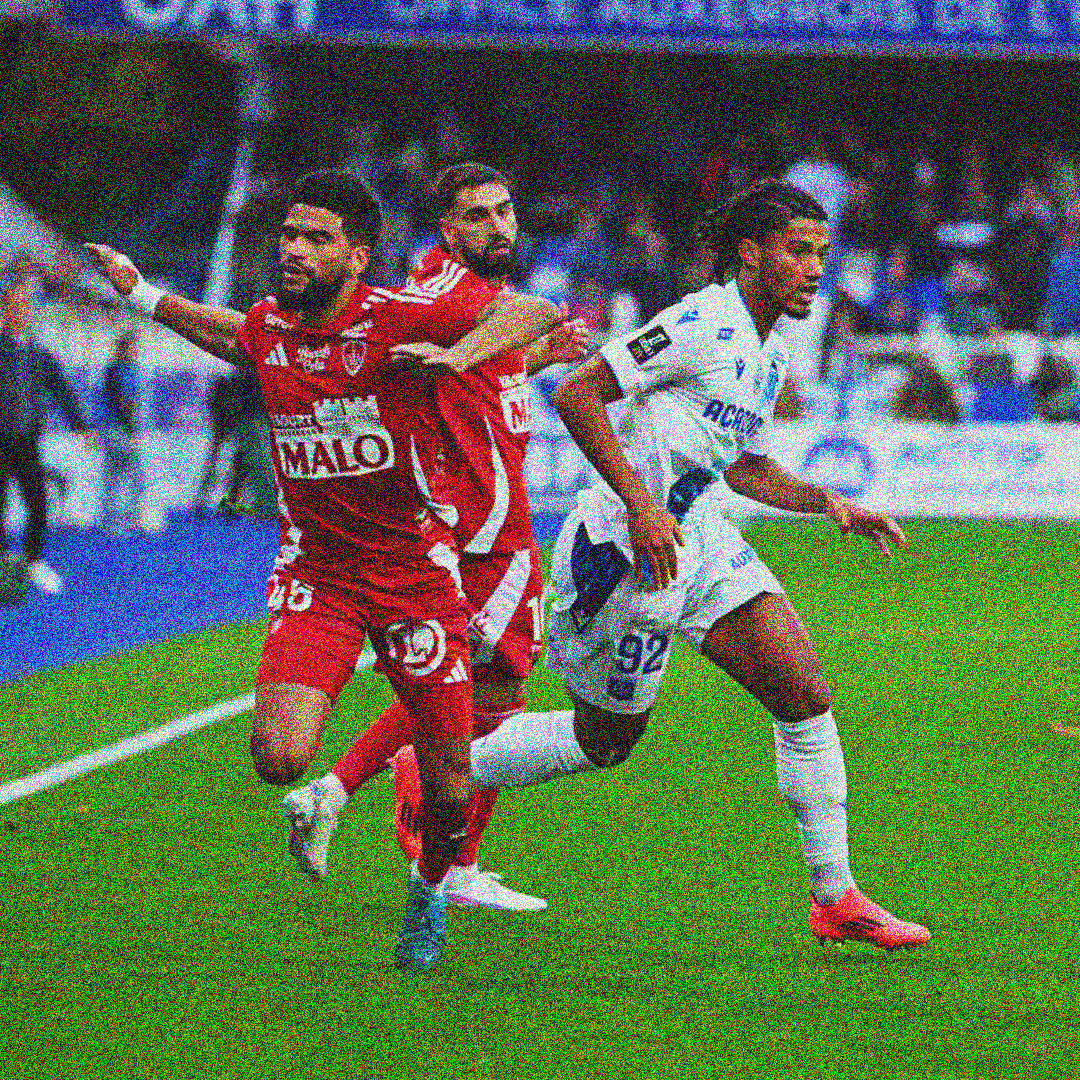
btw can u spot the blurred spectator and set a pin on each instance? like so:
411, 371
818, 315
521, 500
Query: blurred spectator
1061, 306
237, 413
116, 419
968, 198
643, 262
967, 307
587, 253
822, 178
1054, 387
590, 301
1019, 261
26, 373
926, 397
904, 298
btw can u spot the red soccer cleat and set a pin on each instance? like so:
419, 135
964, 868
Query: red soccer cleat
408, 801
855, 918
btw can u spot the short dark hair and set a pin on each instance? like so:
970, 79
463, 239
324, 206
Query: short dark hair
764, 207
346, 195
458, 178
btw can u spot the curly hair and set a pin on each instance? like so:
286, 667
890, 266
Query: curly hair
764, 207
346, 195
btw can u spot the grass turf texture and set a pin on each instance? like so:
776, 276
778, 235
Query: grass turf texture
155, 928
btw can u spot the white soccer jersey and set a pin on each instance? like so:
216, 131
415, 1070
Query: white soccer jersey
701, 388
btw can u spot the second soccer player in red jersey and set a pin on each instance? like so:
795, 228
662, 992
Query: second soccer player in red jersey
485, 410
366, 546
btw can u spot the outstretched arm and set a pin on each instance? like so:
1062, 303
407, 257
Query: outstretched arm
581, 401
763, 480
569, 341
511, 322
211, 329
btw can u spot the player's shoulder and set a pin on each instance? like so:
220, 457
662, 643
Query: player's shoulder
381, 302
265, 316
723, 315
439, 274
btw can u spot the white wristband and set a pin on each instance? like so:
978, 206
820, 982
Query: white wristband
144, 297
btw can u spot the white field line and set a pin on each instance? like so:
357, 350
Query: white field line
109, 755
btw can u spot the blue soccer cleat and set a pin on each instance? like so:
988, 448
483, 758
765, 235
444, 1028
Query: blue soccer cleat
423, 935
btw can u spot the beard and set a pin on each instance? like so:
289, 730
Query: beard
490, 265
314, 296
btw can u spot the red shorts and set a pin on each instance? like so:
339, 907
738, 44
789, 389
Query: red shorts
420, 636
506, 592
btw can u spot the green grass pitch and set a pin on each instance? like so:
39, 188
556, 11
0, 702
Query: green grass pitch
154, 928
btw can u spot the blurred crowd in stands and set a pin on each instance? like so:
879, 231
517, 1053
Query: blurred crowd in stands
956, 231
940, 234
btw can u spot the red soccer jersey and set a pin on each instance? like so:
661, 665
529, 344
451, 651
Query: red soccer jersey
357, 445
485, 410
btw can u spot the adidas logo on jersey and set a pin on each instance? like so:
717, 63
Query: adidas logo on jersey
457, 673
277, 357
276, 322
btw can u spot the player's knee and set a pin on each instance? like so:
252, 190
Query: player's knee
811, 698
279, 765
806, 698
818, 698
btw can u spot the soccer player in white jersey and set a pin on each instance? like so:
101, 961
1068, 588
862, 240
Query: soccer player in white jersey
648, 552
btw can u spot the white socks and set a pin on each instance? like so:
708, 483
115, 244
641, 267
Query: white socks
528, 748
810, 772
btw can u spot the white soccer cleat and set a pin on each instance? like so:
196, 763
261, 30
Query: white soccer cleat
469, 886
312, 815
41, 574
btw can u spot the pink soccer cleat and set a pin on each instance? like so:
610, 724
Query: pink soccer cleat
855, 918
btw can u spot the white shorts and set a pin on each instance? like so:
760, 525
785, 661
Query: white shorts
609, 637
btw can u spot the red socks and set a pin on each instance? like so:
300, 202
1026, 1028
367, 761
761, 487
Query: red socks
369, 754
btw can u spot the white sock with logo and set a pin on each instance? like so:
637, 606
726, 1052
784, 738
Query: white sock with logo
528, 748
813, 782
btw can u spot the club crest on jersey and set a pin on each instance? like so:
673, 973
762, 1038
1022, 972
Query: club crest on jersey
740, 367
514, 398
645, 346
276, 322
418, 647
725, 334
353, 352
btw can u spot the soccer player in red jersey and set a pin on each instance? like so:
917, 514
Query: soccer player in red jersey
366, 547
484, 408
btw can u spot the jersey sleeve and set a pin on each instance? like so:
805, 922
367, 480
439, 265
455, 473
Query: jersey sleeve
449, 310
677, 344
760, 443
245, 336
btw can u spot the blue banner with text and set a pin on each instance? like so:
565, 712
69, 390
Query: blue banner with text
1028, 27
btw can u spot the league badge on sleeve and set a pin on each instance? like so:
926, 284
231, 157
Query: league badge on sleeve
645, 346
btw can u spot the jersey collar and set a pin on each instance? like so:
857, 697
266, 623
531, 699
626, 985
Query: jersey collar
349, 315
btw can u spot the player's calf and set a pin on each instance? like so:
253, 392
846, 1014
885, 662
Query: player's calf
606, 738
